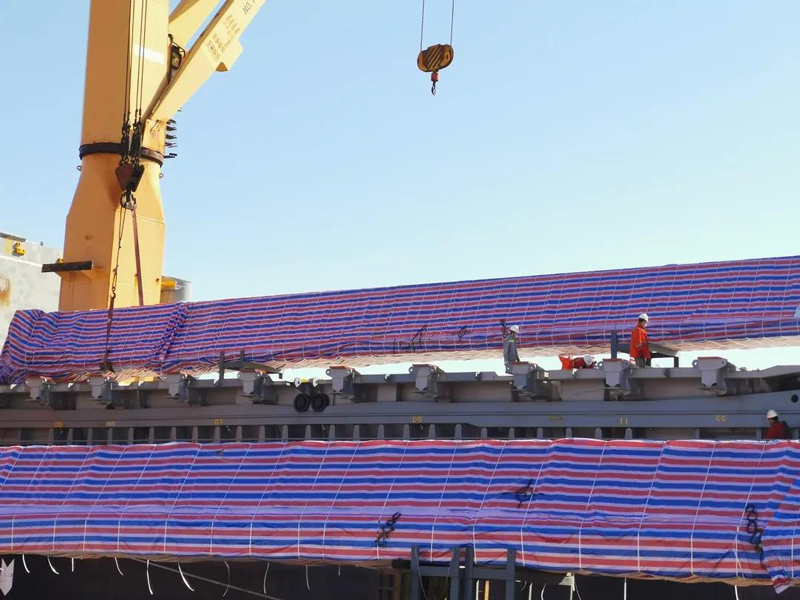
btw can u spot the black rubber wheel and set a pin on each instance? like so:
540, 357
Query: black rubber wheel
302, 402
319, 402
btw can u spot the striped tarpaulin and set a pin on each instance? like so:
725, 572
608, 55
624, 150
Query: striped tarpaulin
721, 305
688, 510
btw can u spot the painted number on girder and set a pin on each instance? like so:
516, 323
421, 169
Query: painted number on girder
416, 419
58, 424
721, 418
219, 421
623, 421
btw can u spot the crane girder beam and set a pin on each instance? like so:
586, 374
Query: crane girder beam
216, 49
187, 17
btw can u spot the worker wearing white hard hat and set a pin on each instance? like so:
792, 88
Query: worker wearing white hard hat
510, 352
588, 361
640, 348
778, 430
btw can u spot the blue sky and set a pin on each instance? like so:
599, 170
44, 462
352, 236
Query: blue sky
565, 137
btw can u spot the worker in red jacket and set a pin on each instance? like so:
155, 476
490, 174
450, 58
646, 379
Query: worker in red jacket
640, 349
778, 430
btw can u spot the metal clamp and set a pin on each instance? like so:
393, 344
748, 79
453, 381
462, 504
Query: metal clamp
39, 389
529, 380
342, 382
713, 370
426, 379
617, 373
180, 388
103, 388
259, 387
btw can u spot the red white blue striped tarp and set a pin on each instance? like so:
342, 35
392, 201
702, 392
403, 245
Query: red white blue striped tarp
721, 305
687, 510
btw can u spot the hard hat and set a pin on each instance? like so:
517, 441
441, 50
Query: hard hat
643, 317
771, 414
588, 359
515, 328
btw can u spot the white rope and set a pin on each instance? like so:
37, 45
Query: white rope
308, 494
228, 586
267, 484
24, 564
644, 510
541, 596
15, 454
264, 583
52, 568
397, 472
147, 572
24, 494
736, 591
127, 503
178, 495
336, 497
191, 589
225, 497
575, 586
697, 513
483, 500
212, 581
588, 505
456, 445
73, 565
746, 502
66, 496
103, 489
308, 583
625, 589
116, 562
550, 446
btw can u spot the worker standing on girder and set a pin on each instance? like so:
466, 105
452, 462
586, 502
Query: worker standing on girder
640, 348
510, 341
778, 430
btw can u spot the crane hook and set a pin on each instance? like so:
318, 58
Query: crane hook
434, 80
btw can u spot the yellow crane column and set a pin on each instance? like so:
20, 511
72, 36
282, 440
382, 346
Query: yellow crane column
127, 66
139, 69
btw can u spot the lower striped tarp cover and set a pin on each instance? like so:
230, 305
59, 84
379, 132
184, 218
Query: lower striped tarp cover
687, 510
736, 304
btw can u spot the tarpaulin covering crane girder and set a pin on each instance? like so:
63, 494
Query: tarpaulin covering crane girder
688, 510
736, 304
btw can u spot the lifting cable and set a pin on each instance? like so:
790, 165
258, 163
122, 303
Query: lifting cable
105, 365
436, 57
130, 170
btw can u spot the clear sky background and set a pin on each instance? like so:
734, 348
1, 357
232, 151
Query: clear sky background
566, 136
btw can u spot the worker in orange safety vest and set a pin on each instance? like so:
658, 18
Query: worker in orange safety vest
640, 348
580, 362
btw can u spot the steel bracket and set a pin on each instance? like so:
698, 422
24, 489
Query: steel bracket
426, 379
617, 373
713, 370
259, 387
343, 383
529, 380
39, 389
180, 387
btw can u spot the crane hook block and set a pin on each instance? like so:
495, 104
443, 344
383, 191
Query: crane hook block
435, 58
